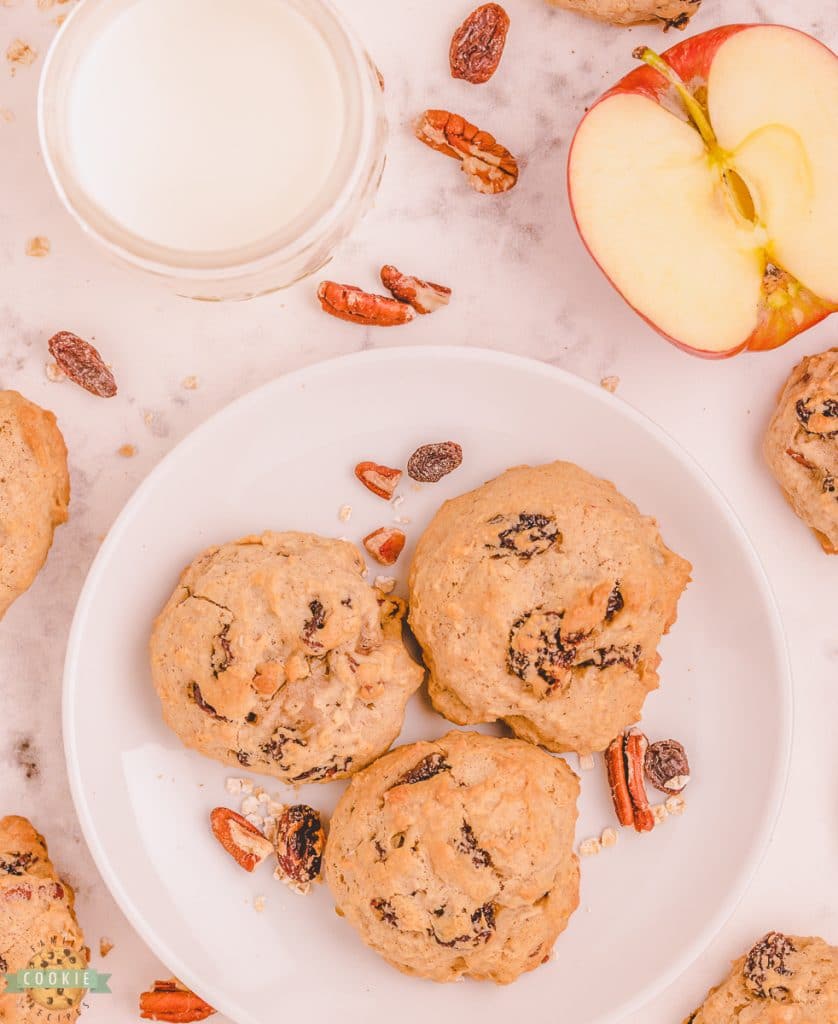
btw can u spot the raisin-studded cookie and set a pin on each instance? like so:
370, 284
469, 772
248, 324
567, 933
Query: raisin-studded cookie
456, 857
37, 927
784, 979
540, 599
274, 654
34, 492
801, 445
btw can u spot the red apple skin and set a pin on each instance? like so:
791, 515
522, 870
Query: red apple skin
692, 59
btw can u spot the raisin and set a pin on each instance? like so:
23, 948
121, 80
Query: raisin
315, 623
385, 911
432, 764
430, 463
829, 484
804, 413
483, 922
478, 43
243, 758
81, 362
468, 844
615, 602
605, 657
767, 957
529, 535
666, 766
830, 408
300, 838
536, 645
323, 772
16, 863
196, 695
221, 654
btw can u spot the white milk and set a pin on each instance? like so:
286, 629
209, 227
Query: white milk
205, 124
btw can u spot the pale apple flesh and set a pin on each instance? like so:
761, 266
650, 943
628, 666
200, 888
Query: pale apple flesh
705, 187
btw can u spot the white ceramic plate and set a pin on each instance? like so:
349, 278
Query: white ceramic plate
282, 458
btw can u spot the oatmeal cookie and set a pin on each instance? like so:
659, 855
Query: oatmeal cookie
37, 925
784, 979
540, 599
274, 654
801, 445
456, 857
34, 492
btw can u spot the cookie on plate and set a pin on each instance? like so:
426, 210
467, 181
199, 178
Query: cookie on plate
456, 857
34, 492
801, 445
38, 927
784, 979
540, 599
274, 654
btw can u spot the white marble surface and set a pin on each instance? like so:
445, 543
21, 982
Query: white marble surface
522, 282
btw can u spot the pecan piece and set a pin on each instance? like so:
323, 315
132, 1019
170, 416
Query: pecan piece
300, 838
423, 296
624, 760
767, 958
81, 362
243, 841
488, 166
478, 43
381, 480
618, 782
427, 768
385, 544
170, 1001
347, 302
430, 463
667, 767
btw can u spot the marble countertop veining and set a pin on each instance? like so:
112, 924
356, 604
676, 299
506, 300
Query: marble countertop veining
523, 283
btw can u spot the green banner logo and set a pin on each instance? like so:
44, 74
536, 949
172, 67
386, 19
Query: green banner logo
30, 979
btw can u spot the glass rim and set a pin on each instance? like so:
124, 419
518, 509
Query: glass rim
356, 78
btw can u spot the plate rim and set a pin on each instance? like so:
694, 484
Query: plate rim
478, 354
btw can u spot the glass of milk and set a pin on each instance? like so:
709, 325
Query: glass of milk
225, 146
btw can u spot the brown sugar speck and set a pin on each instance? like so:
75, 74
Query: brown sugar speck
39, 246
20, 54
127, 451
610, 383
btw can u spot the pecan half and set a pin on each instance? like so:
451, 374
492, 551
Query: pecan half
170, 1001
767, 958
488, 166
624, 760
427, 768
430, 463
81, 362
347, 302
243, 841
385, 544
381, 480
667, 767
478, 43
300, 838
423, 296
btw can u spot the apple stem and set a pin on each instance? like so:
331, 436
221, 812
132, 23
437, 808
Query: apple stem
694, 108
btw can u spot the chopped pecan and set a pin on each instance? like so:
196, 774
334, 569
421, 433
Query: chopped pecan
768, 957
624, 760
385, 544
427, 768
431, 462
478, 43
81, 362
529, 534
300, 838
800, 459
381, 480
423, 296
667, 767
618, 781
243, 841
488, 166
170, 1001
347, 302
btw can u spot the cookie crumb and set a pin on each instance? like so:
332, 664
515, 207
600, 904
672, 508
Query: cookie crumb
345, 513
608, 838
105, 946
20, 54
250, 805
54, 372
386, 584
233, 785
127, 451
256, 820
398, 500
590, 847
6, 115
610, 384
660, 813
259, 903
586, 762
676, 805
401, 520
38, 247
189, 383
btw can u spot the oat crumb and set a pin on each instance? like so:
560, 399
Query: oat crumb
236, 785
401, 520
586, 762
259, 903
250, 805
661, 813
54, 372
398, 500
608, 838
386, 584
127, 451
39, 246
105, 946
255, 820
610, 383
676, 804
20, 54
590, 847
189, 383
345, 513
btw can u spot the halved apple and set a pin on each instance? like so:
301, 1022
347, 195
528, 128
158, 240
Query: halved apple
705, 185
